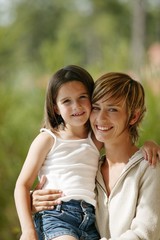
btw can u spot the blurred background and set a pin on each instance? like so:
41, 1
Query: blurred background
39, 37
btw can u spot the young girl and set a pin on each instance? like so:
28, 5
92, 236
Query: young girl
67, 153
128, 191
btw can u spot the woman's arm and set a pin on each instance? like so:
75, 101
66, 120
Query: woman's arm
44, 199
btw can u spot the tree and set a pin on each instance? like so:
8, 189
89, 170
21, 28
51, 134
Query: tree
138, 33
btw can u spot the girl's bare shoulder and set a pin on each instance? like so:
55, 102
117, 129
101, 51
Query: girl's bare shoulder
43, 140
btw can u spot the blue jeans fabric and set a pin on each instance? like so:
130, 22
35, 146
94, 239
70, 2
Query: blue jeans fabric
74, 218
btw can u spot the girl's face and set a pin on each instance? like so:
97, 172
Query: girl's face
108, 120
73, 103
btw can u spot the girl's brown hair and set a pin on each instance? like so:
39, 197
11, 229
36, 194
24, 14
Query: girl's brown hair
67, 74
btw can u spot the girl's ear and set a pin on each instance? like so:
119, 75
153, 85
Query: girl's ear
56, 110
135, 117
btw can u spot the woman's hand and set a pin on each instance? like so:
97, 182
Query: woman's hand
151, 152
44, 199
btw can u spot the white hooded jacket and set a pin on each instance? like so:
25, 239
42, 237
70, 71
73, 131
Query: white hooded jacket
132, 211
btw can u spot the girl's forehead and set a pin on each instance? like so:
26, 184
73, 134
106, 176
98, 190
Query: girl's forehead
72, 84
71, 89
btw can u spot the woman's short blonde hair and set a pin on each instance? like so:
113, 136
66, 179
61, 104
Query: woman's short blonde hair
120, 86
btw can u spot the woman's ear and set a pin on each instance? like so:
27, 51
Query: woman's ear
134, 117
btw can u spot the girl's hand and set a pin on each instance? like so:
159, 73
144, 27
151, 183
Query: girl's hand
151, 152
44, 199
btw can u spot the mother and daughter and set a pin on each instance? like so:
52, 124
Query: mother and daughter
120, 191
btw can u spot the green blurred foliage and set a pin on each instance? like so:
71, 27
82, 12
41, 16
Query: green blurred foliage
150, 128
21, 111
41, 37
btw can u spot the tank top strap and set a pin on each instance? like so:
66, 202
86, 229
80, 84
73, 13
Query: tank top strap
49, 132
91, 140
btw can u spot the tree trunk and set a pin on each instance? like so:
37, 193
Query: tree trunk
138, 34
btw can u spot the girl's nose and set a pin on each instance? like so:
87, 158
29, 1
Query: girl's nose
76, 104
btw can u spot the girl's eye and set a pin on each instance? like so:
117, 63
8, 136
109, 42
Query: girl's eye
84, 96
66, 101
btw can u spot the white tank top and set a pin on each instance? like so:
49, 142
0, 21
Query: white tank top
71, 166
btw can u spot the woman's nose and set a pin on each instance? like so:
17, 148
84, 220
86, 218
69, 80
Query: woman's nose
102, 115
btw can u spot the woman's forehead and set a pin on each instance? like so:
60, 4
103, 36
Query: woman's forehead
111, 100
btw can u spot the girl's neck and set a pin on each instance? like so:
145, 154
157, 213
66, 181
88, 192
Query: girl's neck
73, 133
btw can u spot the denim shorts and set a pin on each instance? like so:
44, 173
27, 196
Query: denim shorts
75, 218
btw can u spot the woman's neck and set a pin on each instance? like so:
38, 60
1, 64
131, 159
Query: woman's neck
120, 152
117, 156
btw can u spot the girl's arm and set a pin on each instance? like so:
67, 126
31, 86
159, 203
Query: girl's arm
35, 158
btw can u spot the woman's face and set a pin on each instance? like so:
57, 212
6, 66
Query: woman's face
108, 120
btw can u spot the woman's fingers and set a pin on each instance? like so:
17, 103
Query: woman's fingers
45, 199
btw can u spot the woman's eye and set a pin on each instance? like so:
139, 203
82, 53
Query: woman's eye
95, 108
112, 110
